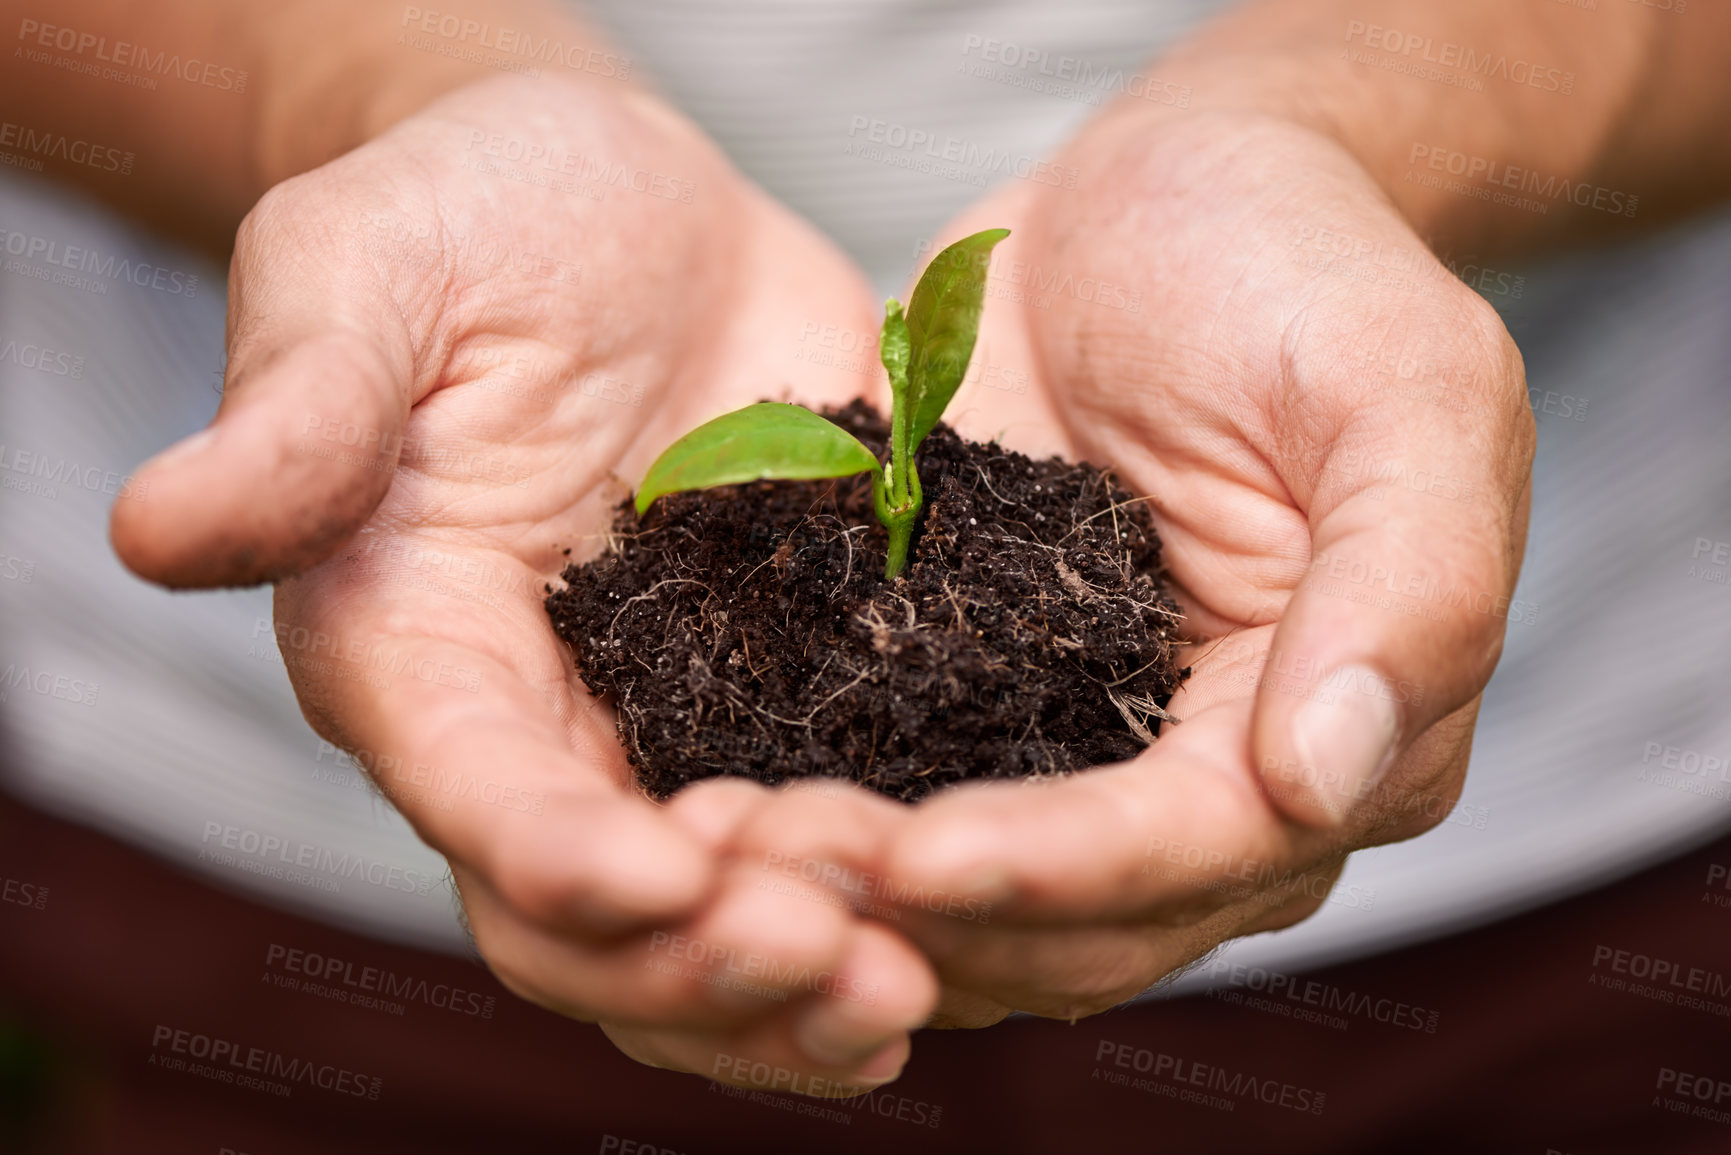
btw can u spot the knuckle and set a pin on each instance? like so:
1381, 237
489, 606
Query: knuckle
513, 963
508, 975
1489, 362
638, 1045
791, 823
527, 884
1105, 983
498, 950
1277, 908
271, 218
1425, 785
1289, 912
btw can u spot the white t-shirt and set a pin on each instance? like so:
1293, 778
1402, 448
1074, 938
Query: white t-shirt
167, 719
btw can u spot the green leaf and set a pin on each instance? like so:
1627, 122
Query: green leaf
895, 348
894, 345
943, 320
770, 439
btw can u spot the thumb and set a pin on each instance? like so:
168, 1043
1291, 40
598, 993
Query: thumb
306, 440
1399, 621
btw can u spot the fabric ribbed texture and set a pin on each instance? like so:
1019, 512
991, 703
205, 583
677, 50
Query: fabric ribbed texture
780, 83
194, 723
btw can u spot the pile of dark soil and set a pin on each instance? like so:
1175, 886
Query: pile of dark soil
748, 629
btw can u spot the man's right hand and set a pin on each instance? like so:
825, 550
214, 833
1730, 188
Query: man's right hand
445, 349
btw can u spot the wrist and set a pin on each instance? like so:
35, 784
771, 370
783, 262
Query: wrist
1457, 114
341, 80
1312, 97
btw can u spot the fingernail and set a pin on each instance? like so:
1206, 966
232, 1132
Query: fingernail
835, 1041
884, 1066
181, 450
1346, 742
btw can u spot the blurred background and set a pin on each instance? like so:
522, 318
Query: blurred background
152, 756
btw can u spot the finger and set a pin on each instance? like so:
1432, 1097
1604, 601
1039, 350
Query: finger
744, 957
1170, 836
760, 1059
1067, 973
852, 1036
882, 991
480, 764
317, 390
964, 1010
822, 841
1072, 972
1400, 619
1282, 907
713, 810
582, 978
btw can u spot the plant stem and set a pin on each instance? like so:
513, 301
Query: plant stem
897, 500
900, 522
893, 350
900, 534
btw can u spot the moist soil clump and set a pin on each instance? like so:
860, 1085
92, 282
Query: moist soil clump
748, 629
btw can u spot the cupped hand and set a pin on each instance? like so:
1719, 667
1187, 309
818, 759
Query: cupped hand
1333, 437
445, 350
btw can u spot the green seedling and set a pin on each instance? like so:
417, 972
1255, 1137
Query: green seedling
926, 353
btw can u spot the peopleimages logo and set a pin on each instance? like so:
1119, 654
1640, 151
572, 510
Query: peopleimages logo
418, 243
1708, 1092
26, 894
854, 885
59, 146
1422, 591
145, 275
1481, 173
44, 473
560, 161
1349, 679
1293, 990
226, 1062
127, 55
43, 360
301, 648
63, 687
366, 980
1488, 282
442, 787
1175, 1073
1068, 77
1686, 761
1490, 65
1688, 979
270, 849
469, 38
972, 158
1213, 870
1027, 283
707, 955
